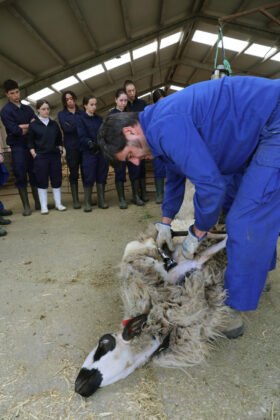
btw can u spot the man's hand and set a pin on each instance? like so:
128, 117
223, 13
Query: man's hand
164, 235
93, 147
33, 153
192, 242
24, 128
1, 157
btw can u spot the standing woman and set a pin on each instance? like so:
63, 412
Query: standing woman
136, 105
133, 170
68, 123
94, 165
44, 142
158, 164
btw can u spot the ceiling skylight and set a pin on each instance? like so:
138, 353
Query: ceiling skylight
92, 71
170, 40
62, 84
260, 50
115, 62
205, 37
174, 87
233, 44
147, 49
40, 94
276, 57
145, 94
24, 102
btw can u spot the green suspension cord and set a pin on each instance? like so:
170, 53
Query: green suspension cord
225, 61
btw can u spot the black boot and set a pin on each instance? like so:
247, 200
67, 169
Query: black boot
100, 196
143, 192
88, 191
75, 196
159, 183
3, 232
120, 191
4, 221
5, 212
135, 192
24, 198
36, 197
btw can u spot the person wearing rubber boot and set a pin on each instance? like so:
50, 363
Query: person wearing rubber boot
16, 118
205, 132
158, 164
136, 105
68, 123
44, 142
4, 175
94, 166
133, 170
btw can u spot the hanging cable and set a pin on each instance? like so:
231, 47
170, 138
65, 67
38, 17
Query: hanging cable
221, 70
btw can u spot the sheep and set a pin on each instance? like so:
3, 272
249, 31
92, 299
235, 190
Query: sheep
170, 324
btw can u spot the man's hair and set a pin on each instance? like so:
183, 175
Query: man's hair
10, 85
157, 94
63, 98
110, 136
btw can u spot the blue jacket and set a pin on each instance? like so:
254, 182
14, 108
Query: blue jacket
205, 131
68, 124
137, 105
87, 128
12, 116
44, 138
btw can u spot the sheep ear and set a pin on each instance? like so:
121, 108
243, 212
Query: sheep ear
134, 327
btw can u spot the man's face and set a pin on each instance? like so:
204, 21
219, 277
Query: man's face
14, 96
131, 92
137, 148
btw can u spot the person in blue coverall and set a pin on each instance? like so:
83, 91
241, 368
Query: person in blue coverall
207, 132
133, 170
136, 105
94, 166
68, 123
16, 118
4, 175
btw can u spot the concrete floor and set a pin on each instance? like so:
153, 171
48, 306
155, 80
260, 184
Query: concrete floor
59, 293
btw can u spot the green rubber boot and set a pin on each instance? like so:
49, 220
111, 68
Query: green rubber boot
4, 221
135, 192
88, 191
143, 192
3, 232
36, 197
75, 196
100, 196
159, 183
25, 202
120, 191
5, 212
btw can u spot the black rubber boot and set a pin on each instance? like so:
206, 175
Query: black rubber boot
4, 221
36, 197
5, 212
24, 198
3, 232
88, 191
100, 196
120, 191
143, 192
159, 183
135, 192
75, 196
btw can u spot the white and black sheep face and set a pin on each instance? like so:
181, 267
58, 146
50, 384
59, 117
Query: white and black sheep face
115, 357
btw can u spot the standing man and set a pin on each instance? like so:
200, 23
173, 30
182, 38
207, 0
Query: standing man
4, 174
206, 132
136, 105
16, 118
68, 121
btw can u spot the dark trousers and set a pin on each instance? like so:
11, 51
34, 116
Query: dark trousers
94, 169
74, 161
142, 168
22, 163
159, 168
48, 165
133, 172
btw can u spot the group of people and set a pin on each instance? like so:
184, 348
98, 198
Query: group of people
37, 141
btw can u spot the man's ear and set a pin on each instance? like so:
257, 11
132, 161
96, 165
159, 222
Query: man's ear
128, 130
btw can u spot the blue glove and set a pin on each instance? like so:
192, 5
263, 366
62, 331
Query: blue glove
164, 235
191, 243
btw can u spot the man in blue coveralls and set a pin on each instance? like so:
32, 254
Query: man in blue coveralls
207, 132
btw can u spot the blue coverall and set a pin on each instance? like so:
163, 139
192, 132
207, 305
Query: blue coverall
216, 129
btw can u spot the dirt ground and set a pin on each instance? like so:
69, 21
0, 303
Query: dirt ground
59, 292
